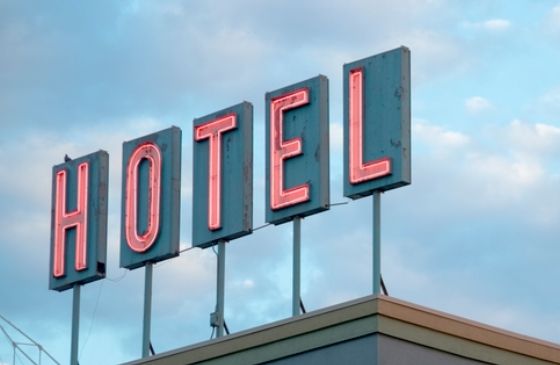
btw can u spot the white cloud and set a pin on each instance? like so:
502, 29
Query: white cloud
551, 99
477, 104
437, 136
496, 24
491, 25
336, 137
32, 157
554, 19
433, 52
536, 140
501, 180
518, 162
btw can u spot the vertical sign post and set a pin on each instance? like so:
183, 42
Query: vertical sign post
377, 133
150, 208
376, 249
147, 318
78, 229
297, 160
75, 324
296, 267
220, 289
222, 187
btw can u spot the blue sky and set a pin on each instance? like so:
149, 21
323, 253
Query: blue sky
476, 234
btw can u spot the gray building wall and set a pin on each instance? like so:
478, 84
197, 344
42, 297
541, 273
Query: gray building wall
375, 350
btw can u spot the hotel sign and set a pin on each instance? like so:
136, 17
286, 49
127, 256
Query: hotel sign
376, 158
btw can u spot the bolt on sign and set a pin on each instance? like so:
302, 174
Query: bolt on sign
79, 221
151, 198
376, 158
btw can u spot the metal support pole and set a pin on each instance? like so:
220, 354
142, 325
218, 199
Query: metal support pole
296, 276
147, 310
75, 324
376, 243
220, 287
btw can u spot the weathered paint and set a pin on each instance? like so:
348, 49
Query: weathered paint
223, 175
157, 237
297, 150
377, 150
85, 179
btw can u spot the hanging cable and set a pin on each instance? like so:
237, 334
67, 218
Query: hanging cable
339, 203
188, 249
383, 287
92, 318
116, 280
261, 227
301, 306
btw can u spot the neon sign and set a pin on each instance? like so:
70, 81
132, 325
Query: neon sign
377, 123
376, 158
64, 220
283, 149
151, 198
212, 131
297, 130
151, 154
223, 175
79, 221
358, 170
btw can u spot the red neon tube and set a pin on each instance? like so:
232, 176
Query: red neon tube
360, 171
64, 220
213, 130
283, 149
142, 242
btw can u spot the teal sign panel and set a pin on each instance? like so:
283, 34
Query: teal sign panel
223, 175
377, 123
151, 198
79, 221
297, 150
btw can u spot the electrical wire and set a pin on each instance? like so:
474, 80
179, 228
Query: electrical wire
383, 287
161, 263
339, 203
116, 280
301, 306
188, 249
92, 318
261, 227
269, 224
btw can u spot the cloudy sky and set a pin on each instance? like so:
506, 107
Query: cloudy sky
477, 234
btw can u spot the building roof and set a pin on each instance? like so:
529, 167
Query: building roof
429, 332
